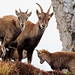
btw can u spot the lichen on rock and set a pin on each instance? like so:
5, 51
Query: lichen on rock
65, 17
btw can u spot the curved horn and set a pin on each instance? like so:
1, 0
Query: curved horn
40, 7
49, 9
27, 11
20, 10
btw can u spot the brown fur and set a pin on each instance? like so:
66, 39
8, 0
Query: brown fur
14, 54
12, 31
58, 60
8, 27
0, 51
14, 26
31, 35
11, 27
5, 24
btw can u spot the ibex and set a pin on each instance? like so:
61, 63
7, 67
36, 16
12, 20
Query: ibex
11, 27
31, 35
58, 60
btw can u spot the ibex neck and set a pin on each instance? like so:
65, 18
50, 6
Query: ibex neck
40, 31
18, 25
48, 58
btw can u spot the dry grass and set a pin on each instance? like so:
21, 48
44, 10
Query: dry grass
18, 68
8, 68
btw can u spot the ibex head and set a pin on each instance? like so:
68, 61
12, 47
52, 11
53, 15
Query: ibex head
43, 17
22, 18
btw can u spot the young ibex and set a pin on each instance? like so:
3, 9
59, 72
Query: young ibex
31, 35
58, 60
11, 27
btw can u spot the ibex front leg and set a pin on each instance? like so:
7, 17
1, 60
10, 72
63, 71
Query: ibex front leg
6, 42
29, 57
20, 50
3, 51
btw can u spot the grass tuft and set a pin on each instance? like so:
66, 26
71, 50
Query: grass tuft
18, 68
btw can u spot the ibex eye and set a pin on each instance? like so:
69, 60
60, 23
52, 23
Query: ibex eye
26, 18
19, 18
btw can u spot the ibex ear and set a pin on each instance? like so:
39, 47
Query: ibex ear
37, 12
16, 12
30, 13
38, 51
51, 14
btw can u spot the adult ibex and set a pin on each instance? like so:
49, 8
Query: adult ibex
31, 35
11, 27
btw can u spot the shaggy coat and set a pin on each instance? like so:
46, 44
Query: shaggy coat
31, 35
28, 39
7, 23
11, 27
58, 60
8, 27
12, 31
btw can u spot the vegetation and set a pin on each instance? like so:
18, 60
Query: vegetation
18, 68
68, 72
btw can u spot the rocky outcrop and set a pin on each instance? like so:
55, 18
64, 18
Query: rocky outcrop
65, 17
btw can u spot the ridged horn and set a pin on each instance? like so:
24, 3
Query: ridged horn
49, 9
40, 7
26, 11
20, 10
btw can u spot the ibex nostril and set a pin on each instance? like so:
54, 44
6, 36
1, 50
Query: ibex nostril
43, 25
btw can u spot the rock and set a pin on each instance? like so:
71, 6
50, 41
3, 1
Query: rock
65, 17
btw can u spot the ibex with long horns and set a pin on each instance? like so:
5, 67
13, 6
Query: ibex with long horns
11, 27
32, 34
